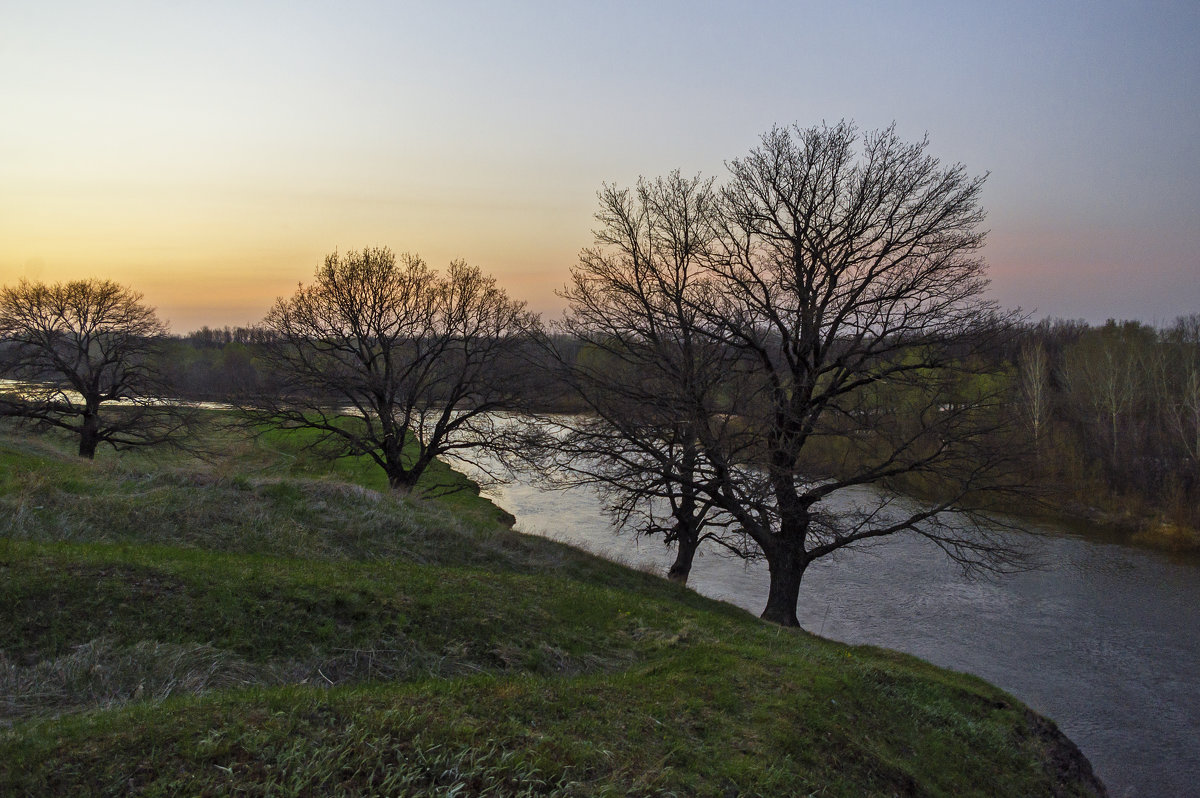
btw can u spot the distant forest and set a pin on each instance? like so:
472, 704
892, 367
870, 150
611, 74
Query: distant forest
1112, 412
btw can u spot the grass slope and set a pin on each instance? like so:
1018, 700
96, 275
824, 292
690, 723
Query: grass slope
257, 624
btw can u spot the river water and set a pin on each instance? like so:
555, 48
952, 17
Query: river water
1103, 638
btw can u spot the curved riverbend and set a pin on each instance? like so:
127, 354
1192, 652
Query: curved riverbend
1103, 639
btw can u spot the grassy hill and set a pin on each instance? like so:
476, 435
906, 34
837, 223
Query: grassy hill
255, 622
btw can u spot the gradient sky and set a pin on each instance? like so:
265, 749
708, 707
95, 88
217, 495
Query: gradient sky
210, 154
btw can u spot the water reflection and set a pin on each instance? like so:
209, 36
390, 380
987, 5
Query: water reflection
1104, 639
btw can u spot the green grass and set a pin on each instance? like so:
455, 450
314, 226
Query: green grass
257, 624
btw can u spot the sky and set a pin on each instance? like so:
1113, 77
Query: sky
210, 155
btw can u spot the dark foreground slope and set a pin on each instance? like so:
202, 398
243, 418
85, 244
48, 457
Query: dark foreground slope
247, 626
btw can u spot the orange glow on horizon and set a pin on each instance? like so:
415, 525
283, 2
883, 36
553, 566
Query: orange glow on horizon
221, 287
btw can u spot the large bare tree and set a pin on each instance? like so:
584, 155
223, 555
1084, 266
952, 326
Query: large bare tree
390, 359
853, 292
71, 348
846, 350
640, 368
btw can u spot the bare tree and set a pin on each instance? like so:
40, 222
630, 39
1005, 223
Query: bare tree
73, 347
1179, 384
1033, 377
643, 370
645, 476
837, 339
395, 361
852, 293
1106, 371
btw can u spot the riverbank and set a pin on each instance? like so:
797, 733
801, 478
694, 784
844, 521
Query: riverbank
1138, 529
1100, 636
1102, 516
1144, 529
254, 622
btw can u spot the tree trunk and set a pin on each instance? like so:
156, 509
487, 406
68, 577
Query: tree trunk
89, 435
685, 552
786, 572
402, 480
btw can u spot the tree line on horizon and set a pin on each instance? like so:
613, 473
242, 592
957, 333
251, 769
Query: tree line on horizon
1112, 410
732, 357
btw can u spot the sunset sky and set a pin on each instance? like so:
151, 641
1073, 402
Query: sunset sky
210, 154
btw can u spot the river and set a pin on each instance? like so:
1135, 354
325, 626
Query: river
1103, 638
